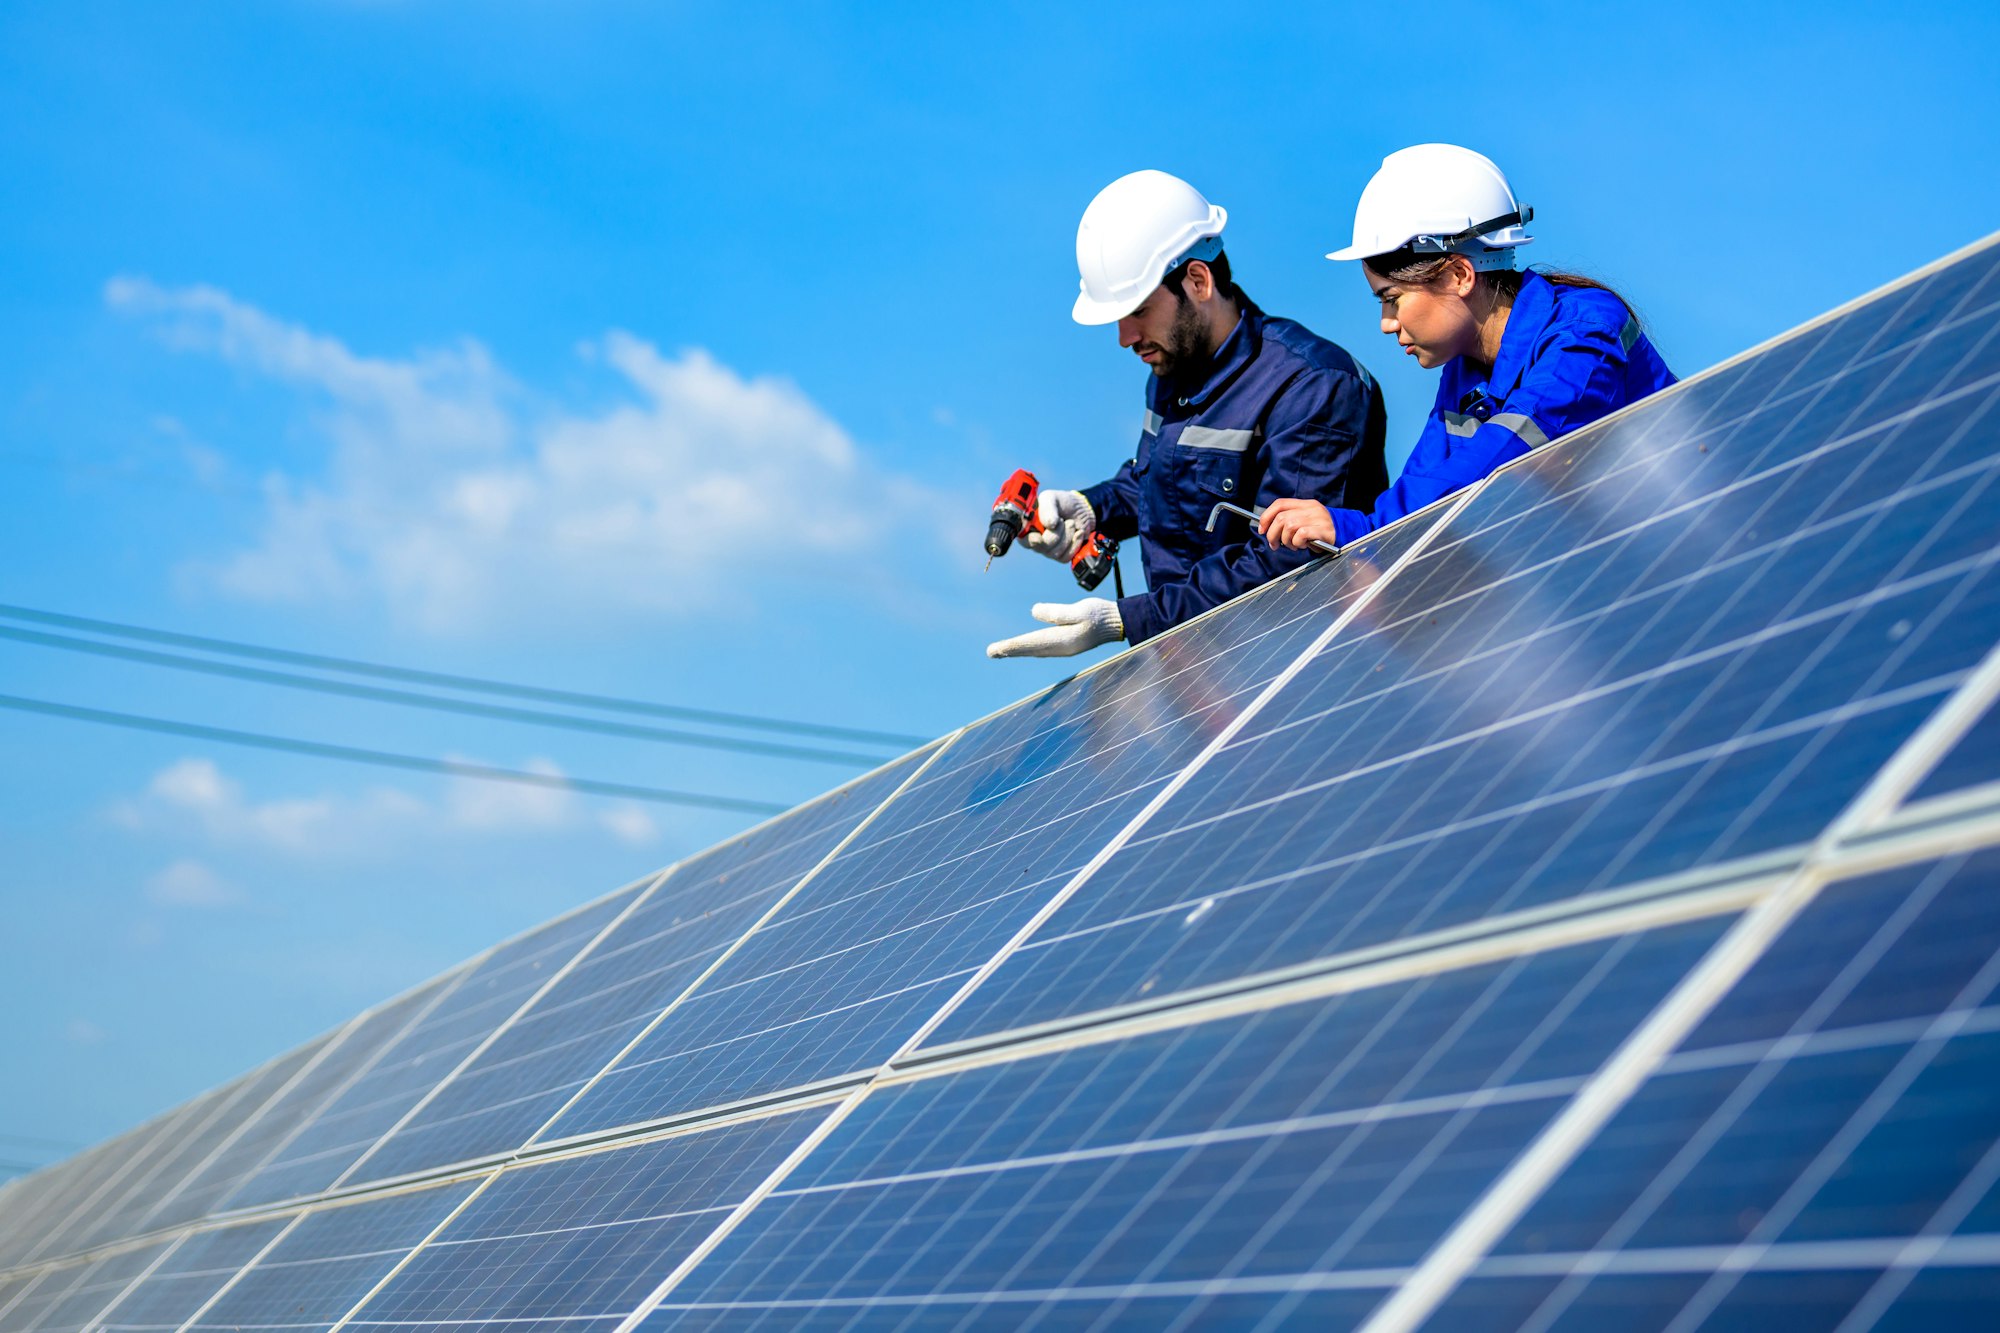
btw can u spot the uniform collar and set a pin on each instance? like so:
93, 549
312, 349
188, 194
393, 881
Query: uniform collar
1200, 387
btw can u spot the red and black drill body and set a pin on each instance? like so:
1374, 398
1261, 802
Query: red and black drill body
1015, 512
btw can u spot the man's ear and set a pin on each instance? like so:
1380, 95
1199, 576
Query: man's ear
1199, 283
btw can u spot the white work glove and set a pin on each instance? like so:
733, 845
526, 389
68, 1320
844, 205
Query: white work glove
1079, 627
1067, 522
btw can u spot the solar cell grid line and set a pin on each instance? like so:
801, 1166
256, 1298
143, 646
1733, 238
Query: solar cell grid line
197, 1192
425, 1052
189, 1276
1694, 1001
1592, 702
579, 1241
333, 1256
367, 1038
1251, 1162
592, 924
1347, 586
100, 1282
1835, 1111
551, 1053
865, 953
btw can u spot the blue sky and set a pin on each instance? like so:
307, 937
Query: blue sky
675, 351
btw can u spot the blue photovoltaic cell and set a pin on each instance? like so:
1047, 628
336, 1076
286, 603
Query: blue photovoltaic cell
547, 1055
1838, 1107
185, 1280
1686, 637
1973, 761
329, 1261
98, 1284
872, 946
1258, 1160
348, 1055
580, 1243
341, 1134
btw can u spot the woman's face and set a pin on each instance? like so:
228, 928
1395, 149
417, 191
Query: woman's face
1430, 320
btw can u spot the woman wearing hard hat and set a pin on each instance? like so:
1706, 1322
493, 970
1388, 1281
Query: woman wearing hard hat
1527, 356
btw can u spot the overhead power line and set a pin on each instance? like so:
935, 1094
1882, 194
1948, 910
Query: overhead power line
444, 680
385, 759
435, 702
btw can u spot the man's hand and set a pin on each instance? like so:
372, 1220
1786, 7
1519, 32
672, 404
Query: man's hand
1079, 627
1297, 524
1067, 522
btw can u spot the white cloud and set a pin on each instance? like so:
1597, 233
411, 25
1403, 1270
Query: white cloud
194, 798
455, 500
630, 824
188, 883
472, 803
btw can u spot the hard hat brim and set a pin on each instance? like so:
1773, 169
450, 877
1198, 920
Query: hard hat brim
1092, 313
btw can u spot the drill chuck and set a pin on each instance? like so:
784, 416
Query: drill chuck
1001, 533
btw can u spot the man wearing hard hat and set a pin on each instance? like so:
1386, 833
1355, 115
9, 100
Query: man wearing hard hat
1241, 406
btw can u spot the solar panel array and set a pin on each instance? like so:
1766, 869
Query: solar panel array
1577, 906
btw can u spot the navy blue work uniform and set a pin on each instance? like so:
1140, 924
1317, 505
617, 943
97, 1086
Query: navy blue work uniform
1569, 355
1277, 411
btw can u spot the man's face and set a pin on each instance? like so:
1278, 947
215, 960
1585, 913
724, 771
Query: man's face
1165, 332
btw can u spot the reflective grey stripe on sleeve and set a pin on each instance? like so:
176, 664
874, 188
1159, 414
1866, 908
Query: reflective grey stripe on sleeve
1628, 335
1458, 423
1207, 437
1524, 428
1153, 423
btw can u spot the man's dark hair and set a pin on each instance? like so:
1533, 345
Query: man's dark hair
1218, 268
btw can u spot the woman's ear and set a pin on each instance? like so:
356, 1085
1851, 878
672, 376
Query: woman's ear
1459, 277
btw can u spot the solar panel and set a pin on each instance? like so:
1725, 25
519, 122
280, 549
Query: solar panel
1573, 907
669, 941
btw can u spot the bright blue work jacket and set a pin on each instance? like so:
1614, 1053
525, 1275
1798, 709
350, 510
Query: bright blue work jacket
1569, 355
1277, 411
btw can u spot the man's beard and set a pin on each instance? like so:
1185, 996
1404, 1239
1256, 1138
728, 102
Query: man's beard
1187, 344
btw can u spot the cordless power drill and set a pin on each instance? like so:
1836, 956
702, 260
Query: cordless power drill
1015, 512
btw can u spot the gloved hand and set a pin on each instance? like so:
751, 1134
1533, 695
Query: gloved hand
1079, 627
1067, 522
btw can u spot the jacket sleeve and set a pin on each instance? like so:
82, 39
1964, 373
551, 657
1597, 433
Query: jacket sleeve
1574, 378
1311, 433
1116, 504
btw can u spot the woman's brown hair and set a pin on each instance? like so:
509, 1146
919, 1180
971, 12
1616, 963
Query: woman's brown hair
1412, 269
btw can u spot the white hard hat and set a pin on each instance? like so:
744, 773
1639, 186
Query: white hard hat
1136, 230
1438, 198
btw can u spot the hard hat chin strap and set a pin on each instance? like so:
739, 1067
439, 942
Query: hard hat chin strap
1455, 242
